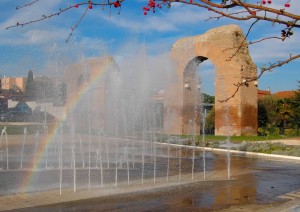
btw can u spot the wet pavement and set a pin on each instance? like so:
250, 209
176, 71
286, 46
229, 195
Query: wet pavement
263, 186
255, 183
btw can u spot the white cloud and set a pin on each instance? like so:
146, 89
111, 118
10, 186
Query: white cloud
177, 20
30, 13
34, 33
274, 50
33, 36
162, 21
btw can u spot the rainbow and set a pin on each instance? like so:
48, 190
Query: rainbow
98, 68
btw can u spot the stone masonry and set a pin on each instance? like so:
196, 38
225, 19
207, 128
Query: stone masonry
238, 115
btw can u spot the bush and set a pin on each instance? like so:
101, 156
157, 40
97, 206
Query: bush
291, 132
262, 147
294, 151
270, 129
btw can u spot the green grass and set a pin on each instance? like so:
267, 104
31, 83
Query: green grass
251, 144
270, 148
32, 128
236, 139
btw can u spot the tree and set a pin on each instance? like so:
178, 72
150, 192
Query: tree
240, 10
210, 122
296, 103
208, 99
274, 112
271, 107
30, 85
286, 112
270, 119
262, 114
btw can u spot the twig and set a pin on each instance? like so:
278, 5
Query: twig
108, 3
250, 8
218, 17
253, 42
26, 5
40, 19
241, 45
289, 30
246, 81
76, 25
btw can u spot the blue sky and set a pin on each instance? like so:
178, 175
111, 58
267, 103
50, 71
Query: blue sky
41, 46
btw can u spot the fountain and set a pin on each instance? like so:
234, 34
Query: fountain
113, 141
80, 153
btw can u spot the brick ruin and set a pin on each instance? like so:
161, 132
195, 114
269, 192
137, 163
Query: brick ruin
238, 115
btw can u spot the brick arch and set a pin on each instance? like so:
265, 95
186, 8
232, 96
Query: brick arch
237, 116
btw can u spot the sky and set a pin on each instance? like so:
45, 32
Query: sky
41, 46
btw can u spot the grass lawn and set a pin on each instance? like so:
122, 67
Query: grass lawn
238, 139
33, 128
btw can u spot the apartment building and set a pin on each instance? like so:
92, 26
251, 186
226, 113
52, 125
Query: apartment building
17, 83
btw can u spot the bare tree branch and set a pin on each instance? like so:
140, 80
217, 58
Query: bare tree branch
251, 9
44, 17
26, 5
253, 42
246, 81
241, 10
242, 43
76, 25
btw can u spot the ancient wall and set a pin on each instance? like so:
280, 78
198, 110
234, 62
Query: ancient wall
237, 116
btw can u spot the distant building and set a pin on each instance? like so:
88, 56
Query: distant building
17, 83
284, 94
262, 93
279, 95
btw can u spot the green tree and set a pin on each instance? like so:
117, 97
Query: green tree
262, 114
210, 122
285, 109
296, 104
271, 107
30, 85
268, 116
208, 99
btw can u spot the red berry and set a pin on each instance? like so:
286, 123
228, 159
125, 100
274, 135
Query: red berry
77, 5
269, 1
91, 6
287, 5
253, 13
116, 4
191, 1
263, 2
145, 13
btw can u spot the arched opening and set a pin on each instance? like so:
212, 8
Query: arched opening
198, 96
238, 113
207, 75
192, 96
